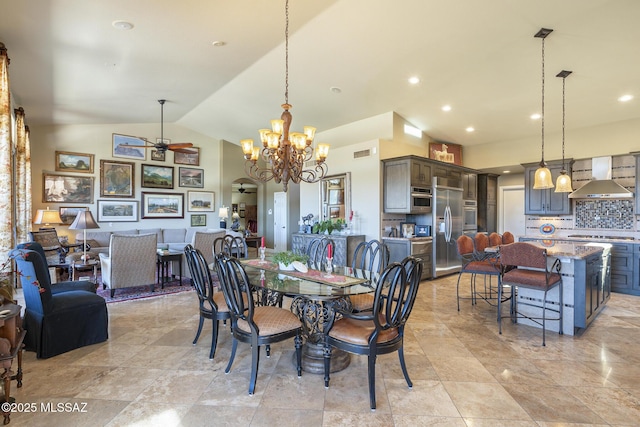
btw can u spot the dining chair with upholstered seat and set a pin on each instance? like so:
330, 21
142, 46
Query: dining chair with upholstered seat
381, 330
474, 266
212, 305
317, 252
530, 271
256, 325
369, 258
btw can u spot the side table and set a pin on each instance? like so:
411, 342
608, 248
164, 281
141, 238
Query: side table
11, 330
78, 266
163, 258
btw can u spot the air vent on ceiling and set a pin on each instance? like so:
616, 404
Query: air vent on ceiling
361, 153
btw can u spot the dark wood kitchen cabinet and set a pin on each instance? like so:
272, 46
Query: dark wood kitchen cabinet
399, 176
469, 186
488, 203
547, 201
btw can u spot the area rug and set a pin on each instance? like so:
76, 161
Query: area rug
140, 292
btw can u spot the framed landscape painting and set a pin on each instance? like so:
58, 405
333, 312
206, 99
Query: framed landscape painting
192, 159
157, 176
117, 210
117, 179
131, 147
74, 162
69, 214
67, 189
198, 220
162, 205
191, 177
200, 201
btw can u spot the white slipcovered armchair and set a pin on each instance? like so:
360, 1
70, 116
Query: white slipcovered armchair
131, 261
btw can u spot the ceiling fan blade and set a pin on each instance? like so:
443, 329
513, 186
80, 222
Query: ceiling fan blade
138, 146
180, 145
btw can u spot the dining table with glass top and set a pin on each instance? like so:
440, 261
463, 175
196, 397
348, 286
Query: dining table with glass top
316, 297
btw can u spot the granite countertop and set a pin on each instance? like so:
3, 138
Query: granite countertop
568, 249
411, 239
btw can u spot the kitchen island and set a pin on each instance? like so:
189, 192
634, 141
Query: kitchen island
586, 284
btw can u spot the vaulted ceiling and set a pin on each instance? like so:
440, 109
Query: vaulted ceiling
348, 60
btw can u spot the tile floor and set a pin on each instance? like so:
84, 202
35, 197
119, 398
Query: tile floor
464, 374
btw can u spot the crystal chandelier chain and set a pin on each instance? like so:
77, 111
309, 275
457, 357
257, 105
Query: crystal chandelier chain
285, 154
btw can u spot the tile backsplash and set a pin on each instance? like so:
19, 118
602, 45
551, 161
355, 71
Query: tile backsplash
605, 214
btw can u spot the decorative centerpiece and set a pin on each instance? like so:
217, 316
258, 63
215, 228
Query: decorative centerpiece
285, 260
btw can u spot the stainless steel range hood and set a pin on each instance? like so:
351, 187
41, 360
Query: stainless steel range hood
602, 186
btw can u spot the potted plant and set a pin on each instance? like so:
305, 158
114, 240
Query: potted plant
327, 226
284, 259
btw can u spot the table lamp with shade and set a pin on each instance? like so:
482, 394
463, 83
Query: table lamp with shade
47, 218
84, 220
223, 213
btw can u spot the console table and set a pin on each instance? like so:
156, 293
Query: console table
11, 330
345, 245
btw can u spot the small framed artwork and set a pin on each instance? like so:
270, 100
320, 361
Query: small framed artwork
200, 201
192, 159
74, 162
117, 210
131, 147
69, 214
162, 205
157, 176
241, 213
117, 179
448, 153
198, 220
191, 177
158, 156
165, 141
67, 189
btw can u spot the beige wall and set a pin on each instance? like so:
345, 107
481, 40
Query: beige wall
97, 140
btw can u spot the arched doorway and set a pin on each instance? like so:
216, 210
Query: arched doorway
244, 205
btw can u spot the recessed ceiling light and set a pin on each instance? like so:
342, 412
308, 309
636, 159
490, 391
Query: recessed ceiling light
470, 129
446, 108
414, 80
218, 43
335, 89
122, 25
506, 171
625, 98
535, 116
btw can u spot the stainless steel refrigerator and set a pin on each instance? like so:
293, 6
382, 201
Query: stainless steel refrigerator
447, 225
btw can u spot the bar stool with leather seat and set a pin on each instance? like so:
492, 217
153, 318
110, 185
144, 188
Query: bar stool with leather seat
472, 265
530, 271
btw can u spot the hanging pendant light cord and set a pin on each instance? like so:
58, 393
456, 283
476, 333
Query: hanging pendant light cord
564, 79
286, 53
542, 110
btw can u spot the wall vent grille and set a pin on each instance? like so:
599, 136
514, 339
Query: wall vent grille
361, 153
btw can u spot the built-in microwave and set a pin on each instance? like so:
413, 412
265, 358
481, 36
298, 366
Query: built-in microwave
421, 200
470, 215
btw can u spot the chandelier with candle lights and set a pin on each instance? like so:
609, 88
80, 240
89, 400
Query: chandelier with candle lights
285, 153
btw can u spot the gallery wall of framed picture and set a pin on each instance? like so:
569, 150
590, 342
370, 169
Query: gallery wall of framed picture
156, 190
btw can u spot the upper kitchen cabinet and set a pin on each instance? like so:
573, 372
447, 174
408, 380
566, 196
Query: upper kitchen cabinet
487, 203
469, 186
403, 177
547, 201
443, 170
637, 155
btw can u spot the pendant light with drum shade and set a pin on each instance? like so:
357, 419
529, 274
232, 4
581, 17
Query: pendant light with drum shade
542, 179
563, 183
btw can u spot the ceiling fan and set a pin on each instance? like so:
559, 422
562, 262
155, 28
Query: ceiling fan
242, 190
162, 147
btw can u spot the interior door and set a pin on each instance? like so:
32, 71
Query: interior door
280, 231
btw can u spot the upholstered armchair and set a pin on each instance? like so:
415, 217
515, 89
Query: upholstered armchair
57, 322
131, 261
